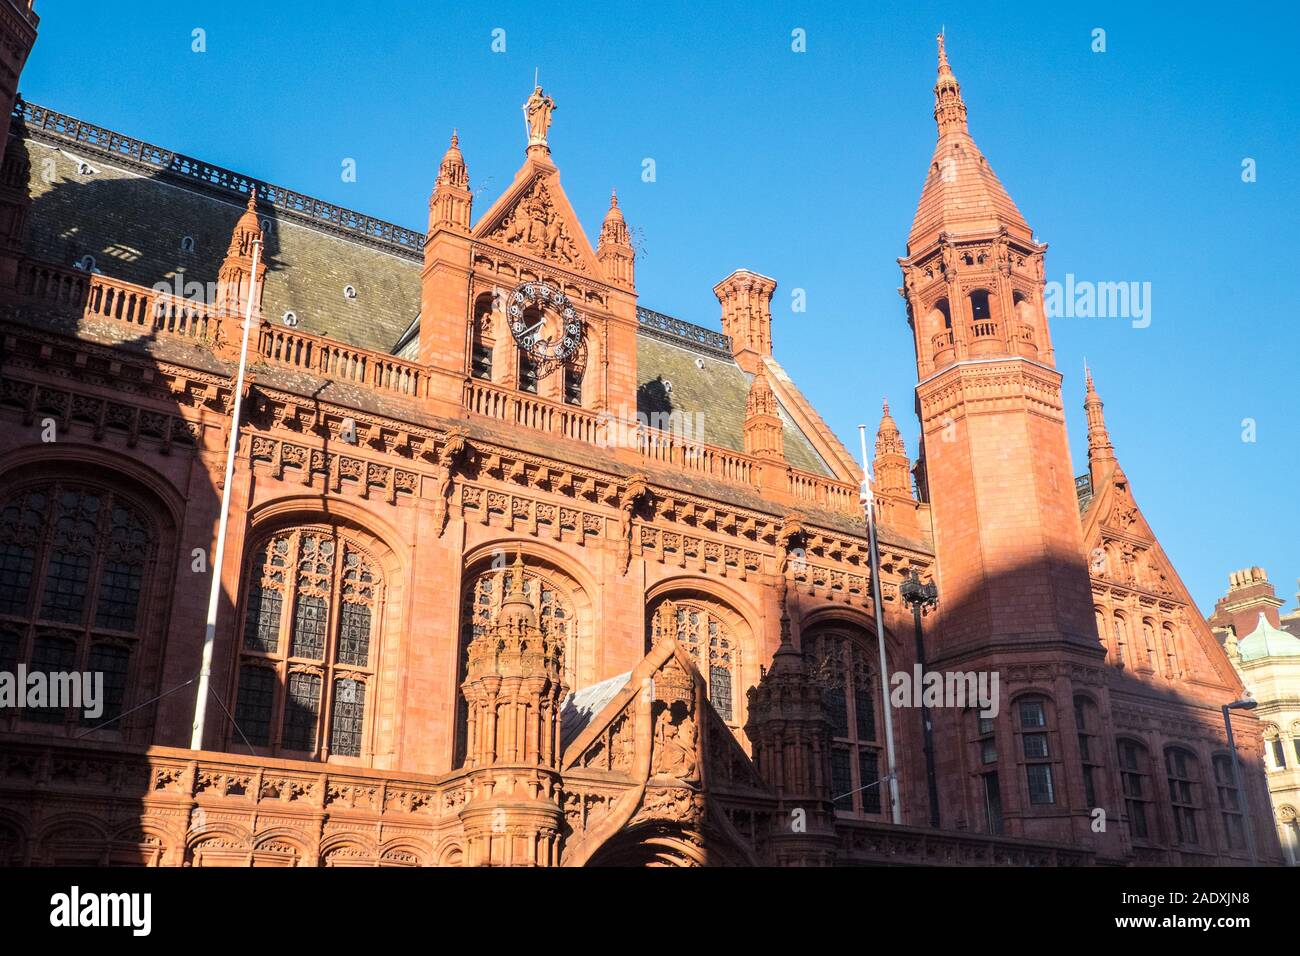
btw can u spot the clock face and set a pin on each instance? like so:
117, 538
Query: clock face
544, 322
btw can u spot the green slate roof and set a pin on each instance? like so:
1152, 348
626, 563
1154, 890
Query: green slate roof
1267, 641
130, 204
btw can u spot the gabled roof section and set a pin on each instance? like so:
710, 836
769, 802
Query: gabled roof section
130, 204
962, 194
535, 218
1114, 515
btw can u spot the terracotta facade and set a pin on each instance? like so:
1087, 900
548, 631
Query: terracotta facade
493, 603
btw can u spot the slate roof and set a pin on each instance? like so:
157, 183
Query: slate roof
585, 703
135, 203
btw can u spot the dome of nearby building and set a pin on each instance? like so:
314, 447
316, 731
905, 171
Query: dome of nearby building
1267, 641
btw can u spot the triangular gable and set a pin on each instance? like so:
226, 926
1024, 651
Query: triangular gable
534, 218
687, 740
1122, 549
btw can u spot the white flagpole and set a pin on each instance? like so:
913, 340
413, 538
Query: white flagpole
869, 505
214, 595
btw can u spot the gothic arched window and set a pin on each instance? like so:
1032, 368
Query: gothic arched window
307, 645
481, 344
714, 648
1033, 716
840, 659
74, 559
1087, 723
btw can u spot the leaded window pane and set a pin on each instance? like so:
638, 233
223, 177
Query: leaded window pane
841, 779
868, 774
113, 661
262, 620
51, 655
349, 709
720, 691
8, 651
17, 568
309, 627
253, 708
301, 711
354, 634
119, 595
837, 711
1033, 714
65, 587
865, 712
1035, 745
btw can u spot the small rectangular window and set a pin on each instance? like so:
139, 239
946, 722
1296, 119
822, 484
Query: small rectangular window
993, 803
841, 779
989, 751
985, 725
1035, 745
1033, 714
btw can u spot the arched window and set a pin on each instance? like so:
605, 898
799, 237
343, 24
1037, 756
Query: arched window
1295, 740
708, 637
74, 559
481, 338
307, 656
840, 657
1036, 748
1225, 785
1184, 794
979, 305
1089, 726
1135, 775
555, 606
1122, 652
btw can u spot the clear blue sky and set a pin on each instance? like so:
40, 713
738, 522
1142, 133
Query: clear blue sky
807, 167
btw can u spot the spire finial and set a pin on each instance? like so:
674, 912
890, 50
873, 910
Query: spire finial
613, 198
455, 136
1100, 451
252, 197
949, 108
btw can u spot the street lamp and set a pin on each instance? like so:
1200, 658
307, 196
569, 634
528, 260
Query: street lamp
1246, 704
922, 597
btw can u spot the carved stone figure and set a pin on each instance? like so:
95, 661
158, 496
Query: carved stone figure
537, 113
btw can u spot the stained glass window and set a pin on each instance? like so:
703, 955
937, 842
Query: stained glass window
301, 711
111, 660
349, 703
720, 690
332, 588
702, 632
837, 656
75, 556
256, 698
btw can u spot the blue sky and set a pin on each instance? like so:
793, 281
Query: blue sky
807, 167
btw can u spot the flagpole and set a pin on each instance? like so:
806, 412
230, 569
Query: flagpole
868, 498
218, 557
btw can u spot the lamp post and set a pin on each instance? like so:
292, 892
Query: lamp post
920, 597
1236, 773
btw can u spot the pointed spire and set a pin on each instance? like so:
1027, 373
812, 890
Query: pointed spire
1101, 454
891, 464
451, 203
237, 267
949, 108
614, 246
962, 194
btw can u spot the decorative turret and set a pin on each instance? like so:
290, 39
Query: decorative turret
236, 268
513, 690
451, 203
1101, 454
973, 274
746, 299
763, 437
614, 247
890, 466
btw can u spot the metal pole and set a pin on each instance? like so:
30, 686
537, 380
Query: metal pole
1241, 790
869, 501
928, 732
218, 557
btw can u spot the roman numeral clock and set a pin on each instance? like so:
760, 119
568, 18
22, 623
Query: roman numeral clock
545, 325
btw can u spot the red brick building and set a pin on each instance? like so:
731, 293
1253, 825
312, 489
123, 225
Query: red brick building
520, 571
